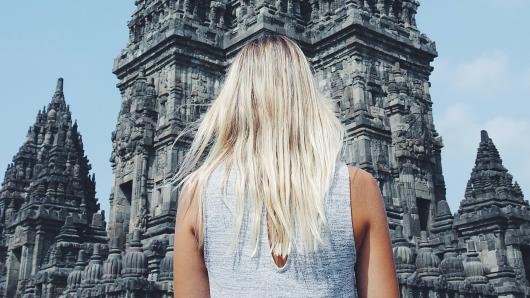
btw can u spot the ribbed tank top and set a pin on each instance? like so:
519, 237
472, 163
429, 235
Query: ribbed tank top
327, 273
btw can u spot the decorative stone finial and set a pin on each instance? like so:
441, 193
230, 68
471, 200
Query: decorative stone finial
59, 87
403, 256
166, 265
93, 272
134, 262
58, 97
75, 277
113, 265
473, 268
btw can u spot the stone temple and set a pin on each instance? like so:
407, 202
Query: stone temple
370, 60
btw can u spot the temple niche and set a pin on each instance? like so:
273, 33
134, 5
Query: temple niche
370, 60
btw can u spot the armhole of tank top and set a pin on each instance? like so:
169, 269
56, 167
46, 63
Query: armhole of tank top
350, 182
204, 227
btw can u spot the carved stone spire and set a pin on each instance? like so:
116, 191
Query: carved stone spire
490, 183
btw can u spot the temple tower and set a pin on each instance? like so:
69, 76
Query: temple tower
369, 57
48, 208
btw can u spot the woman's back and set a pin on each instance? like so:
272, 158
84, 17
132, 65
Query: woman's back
326, 273
273, 122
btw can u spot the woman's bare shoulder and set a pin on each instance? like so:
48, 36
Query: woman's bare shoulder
186, 206
366, 201
375, 262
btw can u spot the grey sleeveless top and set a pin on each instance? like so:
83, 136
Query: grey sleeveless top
327, 273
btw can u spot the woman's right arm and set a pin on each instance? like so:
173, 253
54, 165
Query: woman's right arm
190, 277
375, 268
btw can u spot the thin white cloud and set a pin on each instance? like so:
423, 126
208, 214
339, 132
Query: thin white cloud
485, 73
485, 77
511, 135
458, 125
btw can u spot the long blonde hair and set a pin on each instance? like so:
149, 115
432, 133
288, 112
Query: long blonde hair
282, 135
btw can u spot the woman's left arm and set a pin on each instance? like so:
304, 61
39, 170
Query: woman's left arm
190, 277
375, 268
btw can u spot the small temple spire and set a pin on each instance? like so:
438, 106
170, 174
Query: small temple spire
489, 178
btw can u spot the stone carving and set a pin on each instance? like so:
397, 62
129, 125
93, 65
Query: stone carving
161, 162
143, 219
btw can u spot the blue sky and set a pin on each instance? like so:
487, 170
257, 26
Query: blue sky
481, 78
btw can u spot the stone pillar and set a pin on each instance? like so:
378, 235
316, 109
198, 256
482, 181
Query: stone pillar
50, 291
143, 187
39, 246
408, 197
136, 193
26, 262
13, 267
112, 195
